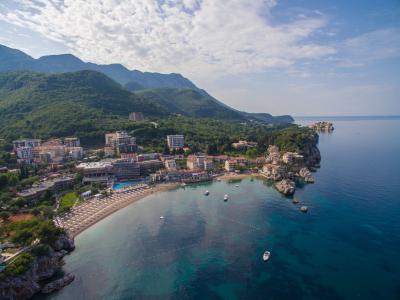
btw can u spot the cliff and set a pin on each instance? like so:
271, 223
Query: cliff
42, 268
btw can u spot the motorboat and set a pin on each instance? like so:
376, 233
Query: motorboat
206, 193
226, 197
236, 185
304, 209
162, 217
183, 184
266, 255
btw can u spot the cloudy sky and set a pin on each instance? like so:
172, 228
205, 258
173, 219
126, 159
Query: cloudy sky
284, 57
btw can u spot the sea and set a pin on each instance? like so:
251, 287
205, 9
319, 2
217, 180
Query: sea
346, 247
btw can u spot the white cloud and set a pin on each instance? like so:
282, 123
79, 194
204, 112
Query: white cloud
198, 38
371, 46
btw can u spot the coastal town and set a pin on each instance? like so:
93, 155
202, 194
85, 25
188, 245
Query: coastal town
88, 184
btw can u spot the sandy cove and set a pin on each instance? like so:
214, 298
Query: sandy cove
92, 211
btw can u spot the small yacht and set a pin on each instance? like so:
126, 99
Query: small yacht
304, 209
162, 217
226, 197
236, 185
266, 255
206, 193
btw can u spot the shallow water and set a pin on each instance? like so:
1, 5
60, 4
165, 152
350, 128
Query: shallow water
346, 247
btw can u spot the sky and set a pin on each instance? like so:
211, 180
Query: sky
293, 57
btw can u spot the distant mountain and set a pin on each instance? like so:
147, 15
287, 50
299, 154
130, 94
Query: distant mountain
159, 87
13, 59
82, 103
189, 102
194, 103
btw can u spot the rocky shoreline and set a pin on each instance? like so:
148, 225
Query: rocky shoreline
41, 269
287, 167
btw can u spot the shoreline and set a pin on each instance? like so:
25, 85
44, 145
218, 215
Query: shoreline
233, 176
127, 200
114, 207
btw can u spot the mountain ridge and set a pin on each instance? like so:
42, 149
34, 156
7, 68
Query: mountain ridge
134, 80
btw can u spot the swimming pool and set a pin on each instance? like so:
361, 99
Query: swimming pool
117, 186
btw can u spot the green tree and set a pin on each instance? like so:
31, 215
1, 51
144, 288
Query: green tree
4, 215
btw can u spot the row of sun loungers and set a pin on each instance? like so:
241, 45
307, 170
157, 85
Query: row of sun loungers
93, 209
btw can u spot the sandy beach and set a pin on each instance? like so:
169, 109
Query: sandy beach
92, 211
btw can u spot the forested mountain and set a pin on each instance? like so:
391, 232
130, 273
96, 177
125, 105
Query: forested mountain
177, 92
83, 103
13, 59
188, 102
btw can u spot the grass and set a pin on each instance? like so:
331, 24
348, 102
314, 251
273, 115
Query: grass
68, 200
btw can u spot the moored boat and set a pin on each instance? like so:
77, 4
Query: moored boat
226, 197
304, 209
206, 193
266, 255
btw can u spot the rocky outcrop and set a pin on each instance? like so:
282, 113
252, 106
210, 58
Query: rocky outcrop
58, 284
322, 126
306, 175
64, 243
312, 156
286, 187
44, 267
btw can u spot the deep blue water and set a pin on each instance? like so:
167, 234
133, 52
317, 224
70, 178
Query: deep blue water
346, 247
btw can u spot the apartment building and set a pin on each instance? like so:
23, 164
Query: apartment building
175, 141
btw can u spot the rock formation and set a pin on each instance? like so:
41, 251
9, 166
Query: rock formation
306, 175
44, 267
286, 187
58, 284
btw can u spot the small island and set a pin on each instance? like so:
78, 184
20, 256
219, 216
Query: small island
322, 126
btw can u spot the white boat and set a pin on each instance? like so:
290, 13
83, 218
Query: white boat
206, 193
266, 255
162, 217
236, 185
183, 184
304, 209
226, 197
218, 179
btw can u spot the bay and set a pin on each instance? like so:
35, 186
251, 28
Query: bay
346, 247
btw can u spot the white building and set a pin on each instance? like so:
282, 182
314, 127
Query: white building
72, 142
195, 162
230, 165
170, 164
289, 157
121, 142
75, 152
26, 143
176, 141
101, 171
25, 154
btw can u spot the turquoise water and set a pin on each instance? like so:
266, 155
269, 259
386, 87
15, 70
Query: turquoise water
117, 186
346, 247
